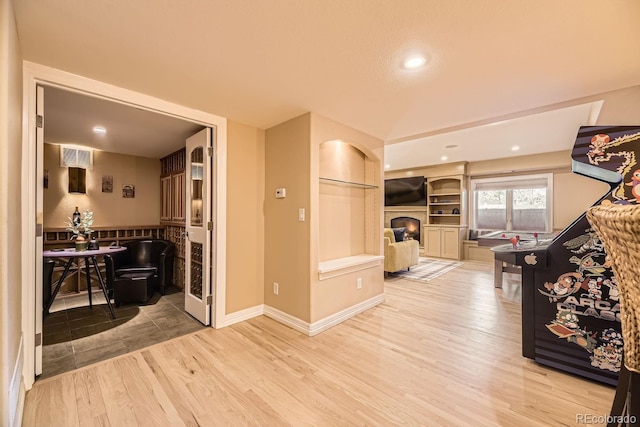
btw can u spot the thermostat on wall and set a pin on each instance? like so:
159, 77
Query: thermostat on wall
281, 193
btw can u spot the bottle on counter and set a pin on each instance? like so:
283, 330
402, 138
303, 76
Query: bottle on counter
76, 216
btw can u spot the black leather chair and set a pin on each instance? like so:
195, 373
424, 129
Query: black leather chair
144, 257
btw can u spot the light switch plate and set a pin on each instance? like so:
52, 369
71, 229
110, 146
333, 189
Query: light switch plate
301, 214
281, 193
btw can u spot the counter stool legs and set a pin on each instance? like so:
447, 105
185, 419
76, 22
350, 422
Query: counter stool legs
58, 285
86, 267
103, 287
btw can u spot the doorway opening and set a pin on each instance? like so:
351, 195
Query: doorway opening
78, 329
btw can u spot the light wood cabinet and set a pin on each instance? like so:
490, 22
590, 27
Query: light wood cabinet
446, 216
178, 200
165, 198
443, 242
172, 187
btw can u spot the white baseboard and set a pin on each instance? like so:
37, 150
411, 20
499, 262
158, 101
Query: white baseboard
347, 313
17, 390
242, 315
287, 319
315, 328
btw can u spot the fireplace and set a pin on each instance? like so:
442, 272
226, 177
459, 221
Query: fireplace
412, 225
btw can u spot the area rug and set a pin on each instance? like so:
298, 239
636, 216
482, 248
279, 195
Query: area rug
428, 269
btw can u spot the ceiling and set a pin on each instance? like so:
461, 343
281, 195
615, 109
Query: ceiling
70, 118
264, 62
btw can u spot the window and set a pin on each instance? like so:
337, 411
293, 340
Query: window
521, 203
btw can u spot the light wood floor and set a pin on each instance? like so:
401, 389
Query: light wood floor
446, 352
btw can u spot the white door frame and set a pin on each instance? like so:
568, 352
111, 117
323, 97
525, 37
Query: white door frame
34, 74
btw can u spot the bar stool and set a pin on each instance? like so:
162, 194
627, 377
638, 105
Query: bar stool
618, 227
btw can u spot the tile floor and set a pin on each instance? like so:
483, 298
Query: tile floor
75, 335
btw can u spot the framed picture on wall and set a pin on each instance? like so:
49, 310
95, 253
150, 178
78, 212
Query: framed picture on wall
128, 191
107, 184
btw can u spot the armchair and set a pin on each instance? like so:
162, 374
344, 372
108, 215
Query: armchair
399, 255
147, 256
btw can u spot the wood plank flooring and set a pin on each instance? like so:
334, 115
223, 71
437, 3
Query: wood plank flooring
446, 352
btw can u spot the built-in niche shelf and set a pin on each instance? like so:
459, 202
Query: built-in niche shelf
445, 200
340, 266
349, 183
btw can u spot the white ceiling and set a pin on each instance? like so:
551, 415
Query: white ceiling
264, 62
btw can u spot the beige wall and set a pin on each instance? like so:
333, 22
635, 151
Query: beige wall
620, 107
333, 295
572, 193
109, 209
293, 157
287, 240
245, 216
10, 207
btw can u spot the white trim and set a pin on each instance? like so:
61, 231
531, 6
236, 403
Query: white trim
34, 74
219, 241
287, 319
242, 315
347, 313
16, 389
322, 325
340, 266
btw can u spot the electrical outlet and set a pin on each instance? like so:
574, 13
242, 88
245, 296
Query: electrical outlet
359, 283
275, 288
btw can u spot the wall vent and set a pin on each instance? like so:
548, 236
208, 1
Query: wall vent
74, 157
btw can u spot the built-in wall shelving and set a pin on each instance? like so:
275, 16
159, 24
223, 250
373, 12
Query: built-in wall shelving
446, 225
349, 192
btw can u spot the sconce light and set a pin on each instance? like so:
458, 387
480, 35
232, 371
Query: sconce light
77, 181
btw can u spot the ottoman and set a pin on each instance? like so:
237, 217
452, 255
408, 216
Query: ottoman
133, 287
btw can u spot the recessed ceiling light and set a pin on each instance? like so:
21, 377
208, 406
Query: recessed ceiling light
444, 158
515, 148
413, 62
99, 130
387, 166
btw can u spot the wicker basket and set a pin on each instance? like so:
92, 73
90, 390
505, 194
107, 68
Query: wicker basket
618, 227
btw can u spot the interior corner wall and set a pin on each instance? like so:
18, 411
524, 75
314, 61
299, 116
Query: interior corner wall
109, 209
620, 107
287, 240
11, 357
245, 217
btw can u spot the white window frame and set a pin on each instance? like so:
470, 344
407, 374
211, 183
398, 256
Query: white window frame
510, 183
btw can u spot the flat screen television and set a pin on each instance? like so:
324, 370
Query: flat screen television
409, 191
